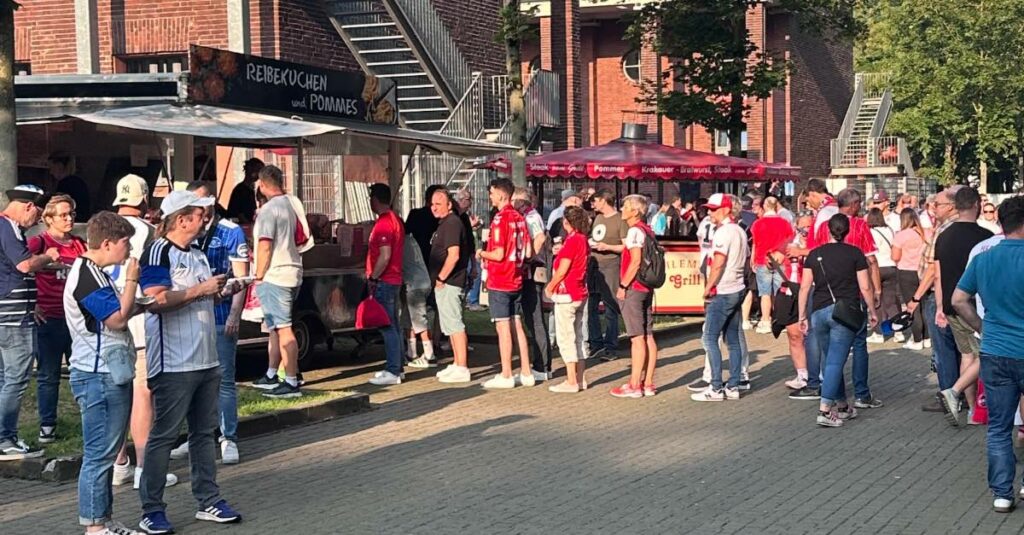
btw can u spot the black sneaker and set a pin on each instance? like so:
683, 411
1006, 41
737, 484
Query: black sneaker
283, 390
298, 377
805, 393
16, 450
266, 383
47, 434
870, 402
698, 386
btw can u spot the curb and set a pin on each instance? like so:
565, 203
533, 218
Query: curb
61, 469
492, 339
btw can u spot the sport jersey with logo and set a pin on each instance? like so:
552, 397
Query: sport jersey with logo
89, 299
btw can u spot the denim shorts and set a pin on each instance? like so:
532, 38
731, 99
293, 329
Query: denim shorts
276, 302
505, 305
768, 280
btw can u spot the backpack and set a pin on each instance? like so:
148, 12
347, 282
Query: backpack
652, 263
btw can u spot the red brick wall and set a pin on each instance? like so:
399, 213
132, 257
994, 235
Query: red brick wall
51, 35
472, 24
306, 35
565, 60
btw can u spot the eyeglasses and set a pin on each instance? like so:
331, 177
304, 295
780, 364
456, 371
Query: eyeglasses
990, 211
68, 215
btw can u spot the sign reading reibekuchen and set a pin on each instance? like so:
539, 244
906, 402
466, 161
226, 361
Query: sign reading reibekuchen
225, 78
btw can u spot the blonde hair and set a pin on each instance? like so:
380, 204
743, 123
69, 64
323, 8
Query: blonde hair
50, 211
638, 203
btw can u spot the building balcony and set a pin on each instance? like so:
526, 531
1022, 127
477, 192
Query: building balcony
870, 156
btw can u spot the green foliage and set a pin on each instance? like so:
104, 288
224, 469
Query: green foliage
715, 63
516, 24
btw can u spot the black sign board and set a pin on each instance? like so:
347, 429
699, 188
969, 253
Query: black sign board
229, 79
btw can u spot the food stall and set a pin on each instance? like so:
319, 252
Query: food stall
631, 162
332, 131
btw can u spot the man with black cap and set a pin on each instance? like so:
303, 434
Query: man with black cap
17, 303
242, 205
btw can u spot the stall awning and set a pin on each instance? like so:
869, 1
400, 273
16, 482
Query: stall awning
627, 159
227, 125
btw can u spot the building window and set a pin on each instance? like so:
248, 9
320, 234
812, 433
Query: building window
22, 68
535, 65
153, 64
631, 65
722, 145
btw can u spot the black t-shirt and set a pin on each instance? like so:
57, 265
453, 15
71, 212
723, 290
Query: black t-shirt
835, 265
450, 232
242, 204
952, 249
421, 223
468, 242
76, 188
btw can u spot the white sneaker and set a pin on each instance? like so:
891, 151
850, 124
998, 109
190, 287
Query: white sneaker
526, 380
540, 376
876, 339
1002, 505
181, 452
172, 479
385, 378
796, 383
746, 325
732, 394
914, 346
500, 382
709, 394
421, 363
448, 369
455, 374
899, 337
116, 528
228, 452
927, 343
763, 328
123, 473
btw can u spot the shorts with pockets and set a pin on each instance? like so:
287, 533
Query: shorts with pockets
417, 314
966, 342
768, 280
276, 302
449, 309
505, 305
638, 313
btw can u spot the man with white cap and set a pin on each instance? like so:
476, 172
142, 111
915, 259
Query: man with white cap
569, 198
131, 196
17, 304
183, 370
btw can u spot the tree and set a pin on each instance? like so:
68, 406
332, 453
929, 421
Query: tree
8, 122
716, 63
514, 29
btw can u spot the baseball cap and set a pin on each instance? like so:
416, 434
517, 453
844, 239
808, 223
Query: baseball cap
568, 194
880, 196
901, 322
27, 193
719, 200
179, 200
131, 191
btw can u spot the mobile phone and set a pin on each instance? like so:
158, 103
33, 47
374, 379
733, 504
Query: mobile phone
145, 300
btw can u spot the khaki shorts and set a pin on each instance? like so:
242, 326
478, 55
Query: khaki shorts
417, 314
637, 313
569, 330
449, 309
966, 342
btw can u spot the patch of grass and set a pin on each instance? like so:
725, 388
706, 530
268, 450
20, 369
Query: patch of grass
69, 419
479, 323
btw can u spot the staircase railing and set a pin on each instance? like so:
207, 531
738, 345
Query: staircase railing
882, 116
422, 19
873, 84
540, 97
852, 110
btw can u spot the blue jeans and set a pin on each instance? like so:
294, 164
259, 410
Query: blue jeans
860, 364
836, 340
944, 352
1004, 385
474, 286
387, 295
105, 408
602, 283
227, 346
17, 349
812, 346
54, 342
722, 317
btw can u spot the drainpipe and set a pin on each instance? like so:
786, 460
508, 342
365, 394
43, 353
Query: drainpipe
87, 43
239, 35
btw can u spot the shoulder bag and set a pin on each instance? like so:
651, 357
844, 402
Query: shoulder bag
847, 312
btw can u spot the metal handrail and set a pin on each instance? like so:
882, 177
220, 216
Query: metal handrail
873, 83
435, 40
882, 115
851, 112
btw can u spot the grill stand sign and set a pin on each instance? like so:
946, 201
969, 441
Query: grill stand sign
232, 80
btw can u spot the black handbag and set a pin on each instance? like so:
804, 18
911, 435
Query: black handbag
847, 312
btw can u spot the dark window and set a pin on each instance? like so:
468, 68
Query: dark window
154, 64
631, 65
22, 68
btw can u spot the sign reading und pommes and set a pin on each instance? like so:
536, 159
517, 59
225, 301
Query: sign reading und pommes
224, 78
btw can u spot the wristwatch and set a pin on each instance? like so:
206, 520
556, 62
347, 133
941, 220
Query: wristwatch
623, 287
915, 299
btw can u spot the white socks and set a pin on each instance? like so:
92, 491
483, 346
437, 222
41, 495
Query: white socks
271, 373
294, 381
428, 350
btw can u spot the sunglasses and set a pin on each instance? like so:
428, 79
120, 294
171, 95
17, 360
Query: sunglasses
990, 211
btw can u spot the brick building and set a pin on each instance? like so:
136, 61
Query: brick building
585, 39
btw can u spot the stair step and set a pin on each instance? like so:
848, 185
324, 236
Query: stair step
425, 110
414, 99
346, 14
368, 25
416, 86
403, 75
376, 38
384, 50
427, 121
391, 63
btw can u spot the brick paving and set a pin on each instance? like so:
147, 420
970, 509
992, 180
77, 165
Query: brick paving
461, 460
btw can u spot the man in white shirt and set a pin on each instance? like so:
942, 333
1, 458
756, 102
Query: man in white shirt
569, 198
183, 370
724, 292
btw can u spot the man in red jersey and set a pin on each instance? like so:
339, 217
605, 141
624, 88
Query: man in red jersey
506, 249
384, 276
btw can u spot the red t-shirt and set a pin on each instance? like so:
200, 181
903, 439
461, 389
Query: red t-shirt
635, 238
821, 217
50, 284
508, 231
387, 231
771, 233
577, 251
859, 236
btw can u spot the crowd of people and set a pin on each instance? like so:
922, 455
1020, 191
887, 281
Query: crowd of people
126, 308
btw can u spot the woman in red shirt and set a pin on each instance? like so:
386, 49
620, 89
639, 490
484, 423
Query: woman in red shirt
568, 290
54, 339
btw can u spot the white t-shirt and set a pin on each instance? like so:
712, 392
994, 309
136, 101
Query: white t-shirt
705, 234
276, 222
990, 226
892, 220
144, 233
181, 340
731, 240
883, 237
981, 247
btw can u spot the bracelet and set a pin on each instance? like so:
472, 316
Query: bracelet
623, 287
915, 299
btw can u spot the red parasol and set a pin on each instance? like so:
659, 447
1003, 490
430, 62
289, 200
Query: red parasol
640, 160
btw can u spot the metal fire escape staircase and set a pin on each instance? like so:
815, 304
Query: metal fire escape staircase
862, 148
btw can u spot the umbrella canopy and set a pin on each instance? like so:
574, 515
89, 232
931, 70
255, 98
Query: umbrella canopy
641, 160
